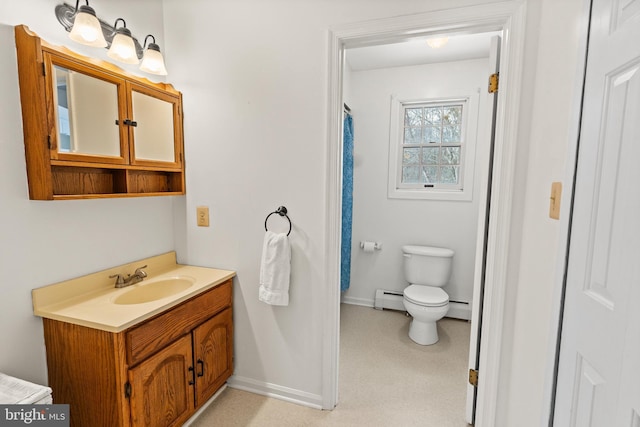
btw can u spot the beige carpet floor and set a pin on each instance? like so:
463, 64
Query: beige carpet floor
385, 380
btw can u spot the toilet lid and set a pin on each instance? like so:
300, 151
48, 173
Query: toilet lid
426, 295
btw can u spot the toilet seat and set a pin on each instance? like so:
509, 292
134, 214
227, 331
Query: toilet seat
426, 296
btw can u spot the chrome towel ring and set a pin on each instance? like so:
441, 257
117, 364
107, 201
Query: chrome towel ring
282, 211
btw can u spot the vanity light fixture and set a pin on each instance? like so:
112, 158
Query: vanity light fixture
123, 48
152, 61
437, 42
86, 27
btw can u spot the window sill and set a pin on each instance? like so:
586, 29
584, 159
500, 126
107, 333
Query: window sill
430, 194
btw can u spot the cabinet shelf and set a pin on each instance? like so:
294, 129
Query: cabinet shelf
83, 181
66, 163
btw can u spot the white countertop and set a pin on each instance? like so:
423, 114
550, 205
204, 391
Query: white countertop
88, 300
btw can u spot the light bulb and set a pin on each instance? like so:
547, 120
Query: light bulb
122, 47
86, 28
153, 62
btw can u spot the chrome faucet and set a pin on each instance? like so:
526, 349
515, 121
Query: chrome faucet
137, 276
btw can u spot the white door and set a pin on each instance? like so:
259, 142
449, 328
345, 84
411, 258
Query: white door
599, 366
481, 240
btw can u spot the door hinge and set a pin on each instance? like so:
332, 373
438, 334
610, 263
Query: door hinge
44, 69
49, 141
127, 390
494, 82
473, 377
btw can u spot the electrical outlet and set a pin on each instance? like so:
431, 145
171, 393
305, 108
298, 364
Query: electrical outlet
203, 216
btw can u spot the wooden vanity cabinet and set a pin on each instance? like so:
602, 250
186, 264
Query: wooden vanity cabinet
93, 130
162, 387
154, 374
167, 386
213, 367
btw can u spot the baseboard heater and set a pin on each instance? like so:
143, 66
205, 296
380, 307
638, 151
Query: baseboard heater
392, 300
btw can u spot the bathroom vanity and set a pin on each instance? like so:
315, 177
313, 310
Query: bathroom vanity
149, 354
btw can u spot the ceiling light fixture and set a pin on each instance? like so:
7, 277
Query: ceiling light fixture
152, 61
86, 27
437, 42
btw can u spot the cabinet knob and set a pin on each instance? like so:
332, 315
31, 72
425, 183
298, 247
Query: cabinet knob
192, 381
200, 364
127, 122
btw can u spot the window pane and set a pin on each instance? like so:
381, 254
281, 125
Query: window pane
430, 174
430, 155
450, 155
457, 133
449, 174
411, 156
431, 135
433, 115
451, 115
432, 145
412, 135
411, 174
413, 117
450, 134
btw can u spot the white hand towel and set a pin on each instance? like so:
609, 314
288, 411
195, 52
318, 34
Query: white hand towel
275, 268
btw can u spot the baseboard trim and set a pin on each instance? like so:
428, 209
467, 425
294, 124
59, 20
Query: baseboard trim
365, 302
287, 394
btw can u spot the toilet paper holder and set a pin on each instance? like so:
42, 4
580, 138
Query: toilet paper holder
368, 245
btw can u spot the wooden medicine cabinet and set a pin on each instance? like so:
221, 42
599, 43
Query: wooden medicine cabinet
92, 130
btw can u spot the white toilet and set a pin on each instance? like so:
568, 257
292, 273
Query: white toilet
427, 269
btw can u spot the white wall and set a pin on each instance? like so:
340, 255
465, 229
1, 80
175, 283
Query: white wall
254, 75
44, 242
398, 222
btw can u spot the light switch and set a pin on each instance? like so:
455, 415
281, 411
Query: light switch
554, 202
203, 216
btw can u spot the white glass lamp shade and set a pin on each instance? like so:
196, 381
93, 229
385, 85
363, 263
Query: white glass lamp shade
122, 47
86, 28
152, 61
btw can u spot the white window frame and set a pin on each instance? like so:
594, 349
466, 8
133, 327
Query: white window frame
462, 191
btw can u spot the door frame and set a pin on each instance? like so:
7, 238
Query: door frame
508, 16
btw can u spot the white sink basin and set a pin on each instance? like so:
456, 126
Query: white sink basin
154, 290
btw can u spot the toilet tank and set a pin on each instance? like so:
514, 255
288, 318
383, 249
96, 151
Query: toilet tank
427, 265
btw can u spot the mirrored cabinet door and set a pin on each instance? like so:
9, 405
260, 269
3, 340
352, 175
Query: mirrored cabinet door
86, 114
156, 135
